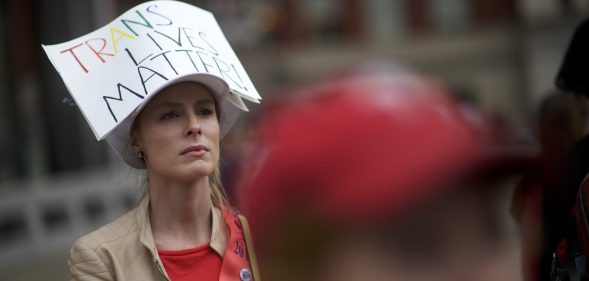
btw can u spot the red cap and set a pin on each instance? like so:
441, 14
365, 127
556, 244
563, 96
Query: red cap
357, 146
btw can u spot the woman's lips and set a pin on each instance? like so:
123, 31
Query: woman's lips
195, 150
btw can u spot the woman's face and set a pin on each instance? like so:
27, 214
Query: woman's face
178, 132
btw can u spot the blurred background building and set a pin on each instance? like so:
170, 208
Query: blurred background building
57, 182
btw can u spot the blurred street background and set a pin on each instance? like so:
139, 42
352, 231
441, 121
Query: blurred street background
58, 183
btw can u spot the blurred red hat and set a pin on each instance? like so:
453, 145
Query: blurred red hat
356, 146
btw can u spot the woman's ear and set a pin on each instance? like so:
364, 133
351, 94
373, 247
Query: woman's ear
134, 140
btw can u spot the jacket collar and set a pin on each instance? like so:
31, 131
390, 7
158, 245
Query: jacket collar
219, 231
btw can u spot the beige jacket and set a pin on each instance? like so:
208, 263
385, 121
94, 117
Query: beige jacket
125, 250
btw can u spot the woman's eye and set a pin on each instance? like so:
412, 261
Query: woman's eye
205, 112
170, 115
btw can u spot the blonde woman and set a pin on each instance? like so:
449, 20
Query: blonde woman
178, 87
183, 227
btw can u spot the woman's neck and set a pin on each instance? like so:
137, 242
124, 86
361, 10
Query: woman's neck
180, 213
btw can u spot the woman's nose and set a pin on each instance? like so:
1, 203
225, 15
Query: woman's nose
193, 125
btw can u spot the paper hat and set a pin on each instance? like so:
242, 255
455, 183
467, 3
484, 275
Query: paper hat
114, 71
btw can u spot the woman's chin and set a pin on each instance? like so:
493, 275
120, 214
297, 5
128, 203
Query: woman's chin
195, 171
185, 171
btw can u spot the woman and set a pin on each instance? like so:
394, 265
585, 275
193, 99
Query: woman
183, 226
177, 96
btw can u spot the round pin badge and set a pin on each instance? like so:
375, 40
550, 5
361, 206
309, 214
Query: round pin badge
245, 275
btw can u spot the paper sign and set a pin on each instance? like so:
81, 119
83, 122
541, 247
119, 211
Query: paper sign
110, 71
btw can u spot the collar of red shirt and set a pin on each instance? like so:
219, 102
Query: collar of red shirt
219, 231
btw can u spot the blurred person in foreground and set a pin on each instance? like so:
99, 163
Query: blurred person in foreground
378, 175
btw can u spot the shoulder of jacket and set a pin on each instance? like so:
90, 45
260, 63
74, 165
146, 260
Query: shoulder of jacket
88, 259
241, 217
118, 229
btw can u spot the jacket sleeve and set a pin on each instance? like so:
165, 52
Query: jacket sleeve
86, 265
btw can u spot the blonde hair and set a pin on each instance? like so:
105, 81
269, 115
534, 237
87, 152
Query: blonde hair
218, 195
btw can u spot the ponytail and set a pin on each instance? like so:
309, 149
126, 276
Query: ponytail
218, 195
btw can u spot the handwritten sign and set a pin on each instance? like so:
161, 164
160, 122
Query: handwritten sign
110, 71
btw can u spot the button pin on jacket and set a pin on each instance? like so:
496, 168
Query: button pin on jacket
245, 275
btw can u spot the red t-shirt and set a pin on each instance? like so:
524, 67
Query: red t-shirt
201, 263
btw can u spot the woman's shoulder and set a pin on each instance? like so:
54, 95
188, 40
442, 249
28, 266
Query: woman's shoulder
90, 254
122, 227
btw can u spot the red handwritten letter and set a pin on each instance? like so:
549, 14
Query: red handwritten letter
71, 50
98, 53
